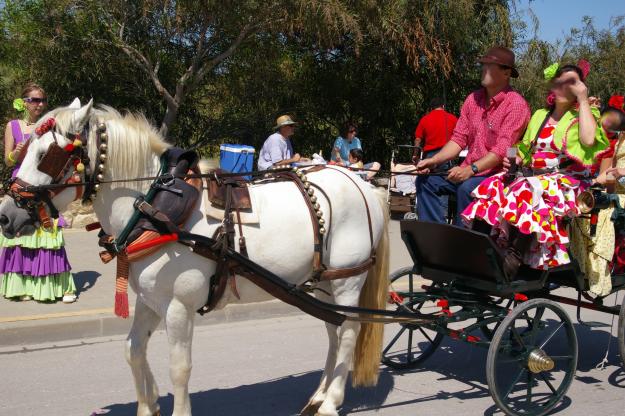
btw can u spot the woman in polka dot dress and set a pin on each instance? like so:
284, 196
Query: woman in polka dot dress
557, 152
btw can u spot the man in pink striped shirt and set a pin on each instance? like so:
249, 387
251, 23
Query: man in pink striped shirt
492, 119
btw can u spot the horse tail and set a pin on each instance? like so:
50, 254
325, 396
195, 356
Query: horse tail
374, 294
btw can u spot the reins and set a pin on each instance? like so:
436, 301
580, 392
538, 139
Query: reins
256, 173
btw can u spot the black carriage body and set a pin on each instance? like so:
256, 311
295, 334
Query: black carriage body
471, 293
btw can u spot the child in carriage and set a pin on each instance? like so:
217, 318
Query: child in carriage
557, 151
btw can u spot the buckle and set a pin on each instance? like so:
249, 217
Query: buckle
166, 179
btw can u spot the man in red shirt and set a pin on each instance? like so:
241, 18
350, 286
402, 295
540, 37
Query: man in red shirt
434, 129
432, 133
492, 119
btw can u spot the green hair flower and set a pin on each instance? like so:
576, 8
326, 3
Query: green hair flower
18, 104
551, 70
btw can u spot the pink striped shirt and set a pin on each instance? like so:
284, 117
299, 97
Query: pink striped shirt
491, 128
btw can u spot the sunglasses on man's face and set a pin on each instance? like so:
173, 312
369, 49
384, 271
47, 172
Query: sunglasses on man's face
35, 100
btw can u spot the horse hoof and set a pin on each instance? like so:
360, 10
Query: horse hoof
310, 409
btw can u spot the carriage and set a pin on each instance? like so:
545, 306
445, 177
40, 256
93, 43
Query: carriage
469, 297
531, 340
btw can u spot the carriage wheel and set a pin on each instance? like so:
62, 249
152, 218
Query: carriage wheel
532, 358
412, 344
621, 333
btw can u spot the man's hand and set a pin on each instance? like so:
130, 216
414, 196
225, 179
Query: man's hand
459, 174
296, 157
425, 165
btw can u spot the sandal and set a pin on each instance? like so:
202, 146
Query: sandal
69, 298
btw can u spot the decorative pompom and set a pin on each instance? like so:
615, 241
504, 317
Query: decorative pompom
46, 126
77, 142
80, 167
69, 148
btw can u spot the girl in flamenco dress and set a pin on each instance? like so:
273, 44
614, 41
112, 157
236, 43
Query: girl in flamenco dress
32, 266
527, 214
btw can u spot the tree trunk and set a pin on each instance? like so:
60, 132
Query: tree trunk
168, 120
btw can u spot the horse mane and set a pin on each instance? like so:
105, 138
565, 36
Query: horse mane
134, 145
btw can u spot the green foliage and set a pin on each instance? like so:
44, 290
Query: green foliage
222, 71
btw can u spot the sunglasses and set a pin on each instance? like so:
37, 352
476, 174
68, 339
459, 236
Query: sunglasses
35, 100
353, 131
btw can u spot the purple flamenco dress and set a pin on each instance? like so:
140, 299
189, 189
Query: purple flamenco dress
35, 265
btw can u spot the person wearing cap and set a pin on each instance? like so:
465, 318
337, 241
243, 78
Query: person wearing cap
277, 149
492, 119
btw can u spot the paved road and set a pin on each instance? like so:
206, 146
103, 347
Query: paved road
269, 367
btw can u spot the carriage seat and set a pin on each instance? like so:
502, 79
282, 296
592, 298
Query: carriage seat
446, 253
217, 190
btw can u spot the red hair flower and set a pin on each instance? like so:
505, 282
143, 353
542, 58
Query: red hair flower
618, 102
46, 126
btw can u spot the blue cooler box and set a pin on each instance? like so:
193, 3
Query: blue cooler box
236, 158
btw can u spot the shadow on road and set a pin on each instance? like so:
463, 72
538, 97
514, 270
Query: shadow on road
280, 396
85, 280
287, 395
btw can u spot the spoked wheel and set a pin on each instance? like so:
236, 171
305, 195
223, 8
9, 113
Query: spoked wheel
621, 333
532, 358
413, 343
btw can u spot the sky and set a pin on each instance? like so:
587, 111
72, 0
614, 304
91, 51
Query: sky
557, 17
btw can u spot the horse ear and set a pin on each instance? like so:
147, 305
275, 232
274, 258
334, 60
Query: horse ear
75, 104
80, 116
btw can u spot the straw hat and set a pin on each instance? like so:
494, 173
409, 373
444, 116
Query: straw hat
283, 121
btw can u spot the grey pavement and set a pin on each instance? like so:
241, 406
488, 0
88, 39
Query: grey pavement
270, 367
24, 323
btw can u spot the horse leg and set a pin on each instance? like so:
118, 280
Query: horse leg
144, 323
346, 292
179, 323
320, 394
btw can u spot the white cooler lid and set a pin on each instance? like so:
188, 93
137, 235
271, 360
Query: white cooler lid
237, 148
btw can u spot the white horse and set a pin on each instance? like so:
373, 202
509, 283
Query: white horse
173, 283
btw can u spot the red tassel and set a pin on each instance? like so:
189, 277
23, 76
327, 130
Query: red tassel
121, 305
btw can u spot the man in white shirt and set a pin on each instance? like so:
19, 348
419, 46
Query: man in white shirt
277, 149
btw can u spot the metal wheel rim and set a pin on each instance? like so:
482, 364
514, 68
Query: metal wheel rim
501, 393
413, 357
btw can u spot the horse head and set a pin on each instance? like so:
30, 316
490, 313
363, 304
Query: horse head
55, 156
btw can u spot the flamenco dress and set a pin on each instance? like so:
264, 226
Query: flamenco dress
35, 265
536, 204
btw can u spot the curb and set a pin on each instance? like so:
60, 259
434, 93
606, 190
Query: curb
102, 322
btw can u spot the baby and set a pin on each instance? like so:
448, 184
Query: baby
355, 158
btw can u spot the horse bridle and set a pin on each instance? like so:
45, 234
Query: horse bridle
64, 165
